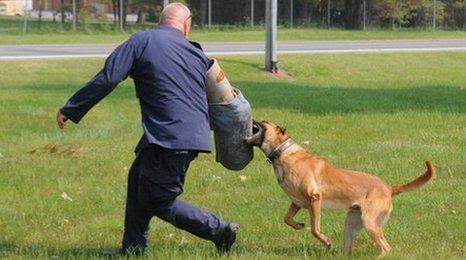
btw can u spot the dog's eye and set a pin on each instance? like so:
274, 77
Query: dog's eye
282, 130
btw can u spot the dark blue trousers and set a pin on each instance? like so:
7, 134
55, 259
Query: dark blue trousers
155, 180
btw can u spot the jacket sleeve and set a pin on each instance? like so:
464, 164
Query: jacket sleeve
117, 68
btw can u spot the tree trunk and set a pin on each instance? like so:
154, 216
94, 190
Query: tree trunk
203, 13
464, 21
353, 14
39, 24
114, 9
125, 12
322, 14
62, 11
284, 12
119, 12
141, 17
305, 14
393, 15
329, 12
310, 13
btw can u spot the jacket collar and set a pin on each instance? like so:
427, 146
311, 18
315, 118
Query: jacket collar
169, 28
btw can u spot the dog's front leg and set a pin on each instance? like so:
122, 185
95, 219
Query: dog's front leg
289, 217
315, 210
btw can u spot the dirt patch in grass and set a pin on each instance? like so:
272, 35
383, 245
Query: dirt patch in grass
72, 151
281, 75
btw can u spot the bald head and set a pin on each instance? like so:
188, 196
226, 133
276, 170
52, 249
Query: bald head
177, 15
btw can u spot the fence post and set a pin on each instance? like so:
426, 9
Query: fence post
121, 15
434, 18
328, 14
291, 14
464, 21
210, 14
74, 15
25, 18
364, 15
252, 13
271, 36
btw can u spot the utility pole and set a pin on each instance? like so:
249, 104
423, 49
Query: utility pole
291, 13
121, 15
364, 15
165, 3
434, 18
74, 15
271, 62
252, 13
210, 14
328, 14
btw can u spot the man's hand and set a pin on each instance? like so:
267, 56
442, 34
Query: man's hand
61, 120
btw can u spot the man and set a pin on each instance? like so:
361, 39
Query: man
169, 74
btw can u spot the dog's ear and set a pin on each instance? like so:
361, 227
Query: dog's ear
282, 130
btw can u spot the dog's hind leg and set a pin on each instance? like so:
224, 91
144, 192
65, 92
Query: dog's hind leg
289, 217
315, 210
376, 233
373, 219
353, 224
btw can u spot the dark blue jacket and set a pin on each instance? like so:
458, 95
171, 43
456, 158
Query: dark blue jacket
169, 74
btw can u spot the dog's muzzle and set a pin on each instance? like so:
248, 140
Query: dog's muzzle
257, 136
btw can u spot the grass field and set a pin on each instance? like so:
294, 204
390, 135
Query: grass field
257, 34
63, 192
10, 33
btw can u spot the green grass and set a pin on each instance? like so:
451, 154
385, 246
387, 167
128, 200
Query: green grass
380, 113
10, 33
244, 35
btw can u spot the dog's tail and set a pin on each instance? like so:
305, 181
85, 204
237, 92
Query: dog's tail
416, 183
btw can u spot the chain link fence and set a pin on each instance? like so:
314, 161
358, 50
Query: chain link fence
106, 15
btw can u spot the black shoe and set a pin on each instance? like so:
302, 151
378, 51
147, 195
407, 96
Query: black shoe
229, 238
133, 250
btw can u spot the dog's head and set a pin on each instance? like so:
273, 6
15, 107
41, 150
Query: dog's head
267, 136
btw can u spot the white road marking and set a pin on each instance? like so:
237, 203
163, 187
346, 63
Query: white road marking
58, 56
229, 53
369, 50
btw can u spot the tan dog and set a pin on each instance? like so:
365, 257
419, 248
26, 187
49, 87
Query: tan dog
312, 183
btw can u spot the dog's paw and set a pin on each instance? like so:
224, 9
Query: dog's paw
298, 226
329, 245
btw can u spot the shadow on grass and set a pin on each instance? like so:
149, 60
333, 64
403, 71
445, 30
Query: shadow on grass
175, 251
255, 66
10, 250
325, 100
320, 100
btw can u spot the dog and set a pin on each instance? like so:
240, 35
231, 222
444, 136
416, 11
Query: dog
314, 184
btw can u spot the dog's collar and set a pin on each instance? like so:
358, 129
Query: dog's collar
279, 150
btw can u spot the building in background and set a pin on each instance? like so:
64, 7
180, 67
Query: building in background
51, 9
13, 7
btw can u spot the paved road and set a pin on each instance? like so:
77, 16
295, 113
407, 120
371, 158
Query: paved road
25, 52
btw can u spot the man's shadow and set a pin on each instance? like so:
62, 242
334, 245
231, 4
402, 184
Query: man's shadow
8, 249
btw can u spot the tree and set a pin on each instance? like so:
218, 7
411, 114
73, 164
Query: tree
353, 14
62, 11
41, 7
